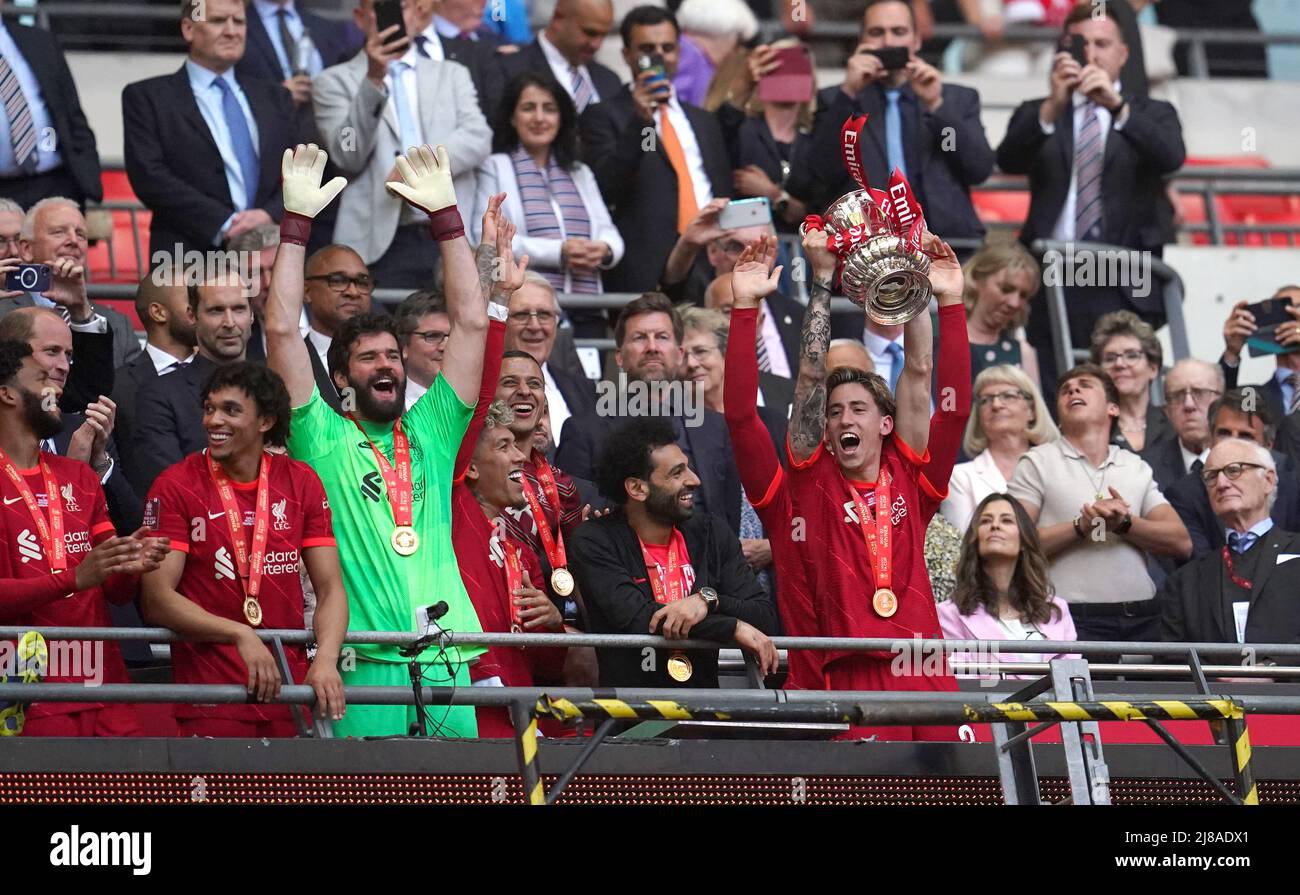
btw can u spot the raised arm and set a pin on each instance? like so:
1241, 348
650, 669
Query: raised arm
808, 414
756, 459
426, 184
304, 198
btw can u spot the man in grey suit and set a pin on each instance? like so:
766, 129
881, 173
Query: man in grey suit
54, 233
369, 110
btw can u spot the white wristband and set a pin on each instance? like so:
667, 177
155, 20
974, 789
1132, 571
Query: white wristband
497, 311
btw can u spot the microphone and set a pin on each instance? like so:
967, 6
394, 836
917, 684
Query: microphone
434, 612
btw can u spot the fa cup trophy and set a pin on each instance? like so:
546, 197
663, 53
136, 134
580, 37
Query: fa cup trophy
876, 235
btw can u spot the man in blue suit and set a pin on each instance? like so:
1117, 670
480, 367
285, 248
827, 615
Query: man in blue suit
276, 47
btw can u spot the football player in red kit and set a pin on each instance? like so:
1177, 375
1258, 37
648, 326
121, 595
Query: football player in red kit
59, 558
868, 469
239, 518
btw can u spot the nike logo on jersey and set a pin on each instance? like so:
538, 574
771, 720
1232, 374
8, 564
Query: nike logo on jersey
9, 500
225, 566
217, 515
28, 546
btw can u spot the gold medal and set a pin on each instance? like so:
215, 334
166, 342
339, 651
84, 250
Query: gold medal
884, 602
405, 541
253, 611
679, 667
562, 582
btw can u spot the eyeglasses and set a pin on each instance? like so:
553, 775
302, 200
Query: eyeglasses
521, 318
338, 282
10, 240
431, 337
1005, 397
1233, 471
1112, 358
700, 352
1199, 395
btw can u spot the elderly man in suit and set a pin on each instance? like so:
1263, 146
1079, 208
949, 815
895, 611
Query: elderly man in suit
654, 187
928, 130
46, 146
203, 145
292, 45
169, 416
648, 336
1236, 414
54, 232
1245, 594
567, 48
1096, 156
371, 109
1191, 386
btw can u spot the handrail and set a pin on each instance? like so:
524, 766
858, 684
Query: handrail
638, 641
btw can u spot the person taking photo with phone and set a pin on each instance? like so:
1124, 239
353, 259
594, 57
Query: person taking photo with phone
928, 130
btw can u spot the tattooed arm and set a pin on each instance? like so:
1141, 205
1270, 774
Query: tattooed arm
808, 415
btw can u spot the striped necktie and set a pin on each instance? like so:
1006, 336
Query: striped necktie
764, 359
1294, 404
22, 132
1087, 168
581, 91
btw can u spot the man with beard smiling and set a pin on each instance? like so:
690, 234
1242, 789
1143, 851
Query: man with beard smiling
868, 470
1097, 506
169, 414
388, 474
60, 563
654, 566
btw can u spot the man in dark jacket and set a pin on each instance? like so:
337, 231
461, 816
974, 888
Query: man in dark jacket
653, 566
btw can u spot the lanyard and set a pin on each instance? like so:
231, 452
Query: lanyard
51, 534
552, 542
1243, 583
877, 536
667, 584
249, 562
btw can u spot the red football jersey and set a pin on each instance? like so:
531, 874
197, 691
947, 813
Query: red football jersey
30, 594
189, 514
841, 576
481, 557
520, 523
659, 565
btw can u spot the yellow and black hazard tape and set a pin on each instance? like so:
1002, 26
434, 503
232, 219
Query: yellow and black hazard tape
1240, 735
1107, 710
652, 709
528, 752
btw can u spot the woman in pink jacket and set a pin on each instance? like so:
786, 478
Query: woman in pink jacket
1003, 592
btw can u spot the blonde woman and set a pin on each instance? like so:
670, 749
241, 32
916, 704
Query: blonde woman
1001, 279
1009, 418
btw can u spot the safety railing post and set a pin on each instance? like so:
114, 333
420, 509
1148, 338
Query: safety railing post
1239, 744
524, 718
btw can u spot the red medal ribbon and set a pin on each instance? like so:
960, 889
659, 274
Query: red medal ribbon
665, 584
1243, 583
850, 134
51, 533
877, 539
514, 578
397, 475
248, 562
552, 543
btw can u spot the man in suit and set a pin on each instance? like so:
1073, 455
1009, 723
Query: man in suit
656, 565
648, 336
1235, 415
203, 145
532, 326
54, 233
1246, 595
654, 187
337, 288
486, 68
46, 146
1281, 390
366, 110
929, 130
567, 48
1191, 385
168, 412
276, 51
1096, 157
163, 307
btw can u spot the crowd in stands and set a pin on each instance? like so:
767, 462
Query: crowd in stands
283, 451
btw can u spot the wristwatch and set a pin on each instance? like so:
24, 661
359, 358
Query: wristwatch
710, 597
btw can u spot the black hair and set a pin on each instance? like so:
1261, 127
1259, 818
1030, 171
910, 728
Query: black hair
11, 359
1249, 403
626, 454
413, 307
645, 15
506, 138
263, 385
523, 355
353, 329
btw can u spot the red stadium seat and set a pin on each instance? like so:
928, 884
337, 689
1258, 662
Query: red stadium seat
1001, 206
121, 247
1276, 209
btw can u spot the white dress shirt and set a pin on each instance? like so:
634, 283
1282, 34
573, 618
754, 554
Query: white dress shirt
690, 149
1064, 229
162, 361
269, 14
771, 337
1189, 458
414, 391
434, 44
876, 347
564, 72
556, 406
321, 343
